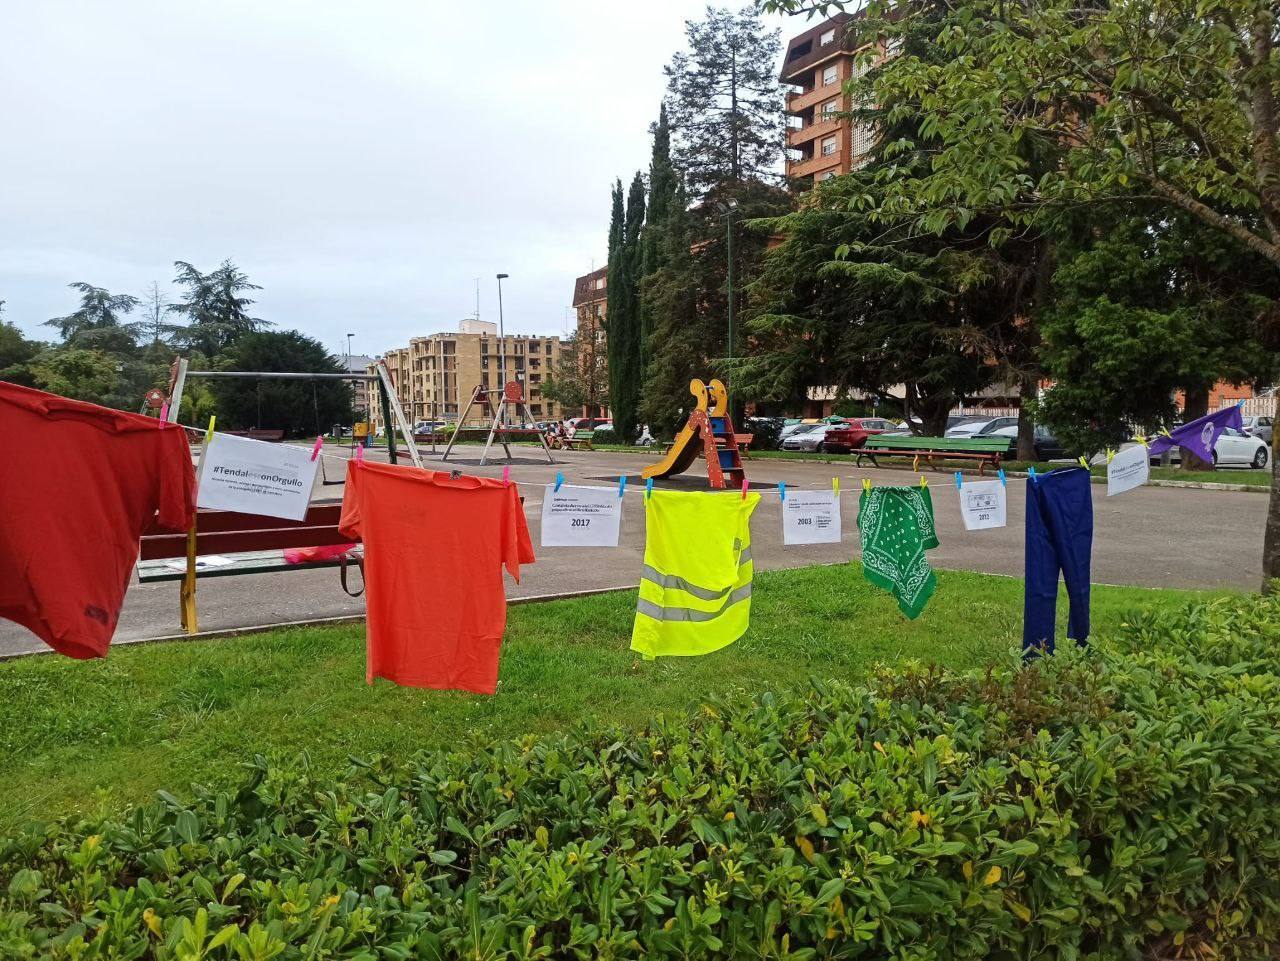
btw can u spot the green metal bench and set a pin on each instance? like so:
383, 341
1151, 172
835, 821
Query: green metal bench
982, 450
580, 439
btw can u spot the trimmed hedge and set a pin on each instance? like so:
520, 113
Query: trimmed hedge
1123, 803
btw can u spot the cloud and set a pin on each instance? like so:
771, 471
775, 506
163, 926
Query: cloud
362, 162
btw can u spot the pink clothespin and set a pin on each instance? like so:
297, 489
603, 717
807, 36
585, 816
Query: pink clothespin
506, 476
360, 454
164, 414
315, 451
744, 488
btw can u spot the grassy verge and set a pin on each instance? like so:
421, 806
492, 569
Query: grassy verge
90, 736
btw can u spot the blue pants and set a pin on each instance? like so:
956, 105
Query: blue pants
1059, 538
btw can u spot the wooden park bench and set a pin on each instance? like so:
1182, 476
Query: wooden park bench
581, 439
982, 450
227, 543
273, 434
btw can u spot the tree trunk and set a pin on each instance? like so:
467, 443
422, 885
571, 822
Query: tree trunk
1271, 539
1195, 404
1029, 391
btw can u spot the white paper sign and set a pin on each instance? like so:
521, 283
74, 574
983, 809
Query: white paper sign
1130, 468
982, 504
811, 517
581, 516
255, 477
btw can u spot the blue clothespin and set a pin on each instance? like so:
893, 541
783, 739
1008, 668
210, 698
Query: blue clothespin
782, 489
648, 488
1003, 482
1031, 473
959, 480
622, 485
559, 481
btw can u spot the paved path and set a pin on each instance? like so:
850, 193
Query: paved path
1152, 537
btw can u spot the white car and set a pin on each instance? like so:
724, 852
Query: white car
1233, 449
809, 439
966, 430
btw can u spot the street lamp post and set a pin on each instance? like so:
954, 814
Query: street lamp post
727, 208
502, 345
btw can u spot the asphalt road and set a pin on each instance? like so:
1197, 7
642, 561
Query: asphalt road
1151, 537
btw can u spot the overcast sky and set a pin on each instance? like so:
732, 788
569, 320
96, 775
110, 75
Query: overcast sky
363, 162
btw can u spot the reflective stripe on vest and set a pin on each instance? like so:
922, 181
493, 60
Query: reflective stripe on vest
673, 610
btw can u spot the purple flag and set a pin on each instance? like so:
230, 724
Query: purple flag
1201, 434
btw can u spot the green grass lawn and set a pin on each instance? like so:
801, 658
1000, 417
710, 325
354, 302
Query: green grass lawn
92, 735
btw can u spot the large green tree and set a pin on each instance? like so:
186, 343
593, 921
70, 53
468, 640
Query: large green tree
16, 353
664, 196
300, 407
1145, 306
724, 101
215, 306
689, 293
622, 318
1156, 100
98, 323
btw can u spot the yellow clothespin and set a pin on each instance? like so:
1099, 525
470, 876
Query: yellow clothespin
208, 434
924, 482
866, 484
1110, 454
1141, 440
1084, 463
835, 485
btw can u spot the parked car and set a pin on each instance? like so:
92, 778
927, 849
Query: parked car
1259, 427
1047, 446
848, 437
809, 439
589, 423
1234, 448
796, 426
967, 428
997, 424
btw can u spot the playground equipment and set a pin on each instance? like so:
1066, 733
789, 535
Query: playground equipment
708, 430
510, 398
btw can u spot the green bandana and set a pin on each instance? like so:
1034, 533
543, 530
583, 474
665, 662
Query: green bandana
896, 524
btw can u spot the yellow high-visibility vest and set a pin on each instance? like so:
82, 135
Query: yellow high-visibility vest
695, 588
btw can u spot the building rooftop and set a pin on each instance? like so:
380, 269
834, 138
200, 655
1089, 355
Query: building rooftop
586, 291
806, 49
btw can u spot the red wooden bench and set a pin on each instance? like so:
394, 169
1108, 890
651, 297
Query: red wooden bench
226, 543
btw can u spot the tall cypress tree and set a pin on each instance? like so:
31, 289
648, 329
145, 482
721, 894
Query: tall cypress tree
663, 185
624, 314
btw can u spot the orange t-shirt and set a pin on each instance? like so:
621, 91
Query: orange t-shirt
79, 484
434, 549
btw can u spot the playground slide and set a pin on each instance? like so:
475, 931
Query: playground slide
688, 442
683, 453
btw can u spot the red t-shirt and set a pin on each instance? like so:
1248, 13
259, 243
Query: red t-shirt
79, 484
434, 549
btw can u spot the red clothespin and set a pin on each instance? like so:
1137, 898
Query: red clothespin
506, 476
744, 488
315, 451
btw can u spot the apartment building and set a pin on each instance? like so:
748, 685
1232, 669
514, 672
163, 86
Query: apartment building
435, 375
590, 303
820, 142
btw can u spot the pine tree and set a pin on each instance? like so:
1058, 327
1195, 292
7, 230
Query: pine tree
724, 101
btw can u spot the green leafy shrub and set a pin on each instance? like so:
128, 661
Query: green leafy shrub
1119, 803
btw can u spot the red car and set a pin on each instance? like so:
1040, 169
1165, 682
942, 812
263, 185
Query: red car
847, 437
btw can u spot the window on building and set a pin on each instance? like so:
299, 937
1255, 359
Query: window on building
600, 282
829, 108
830, 75
828, 146
826, 175
828, 36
